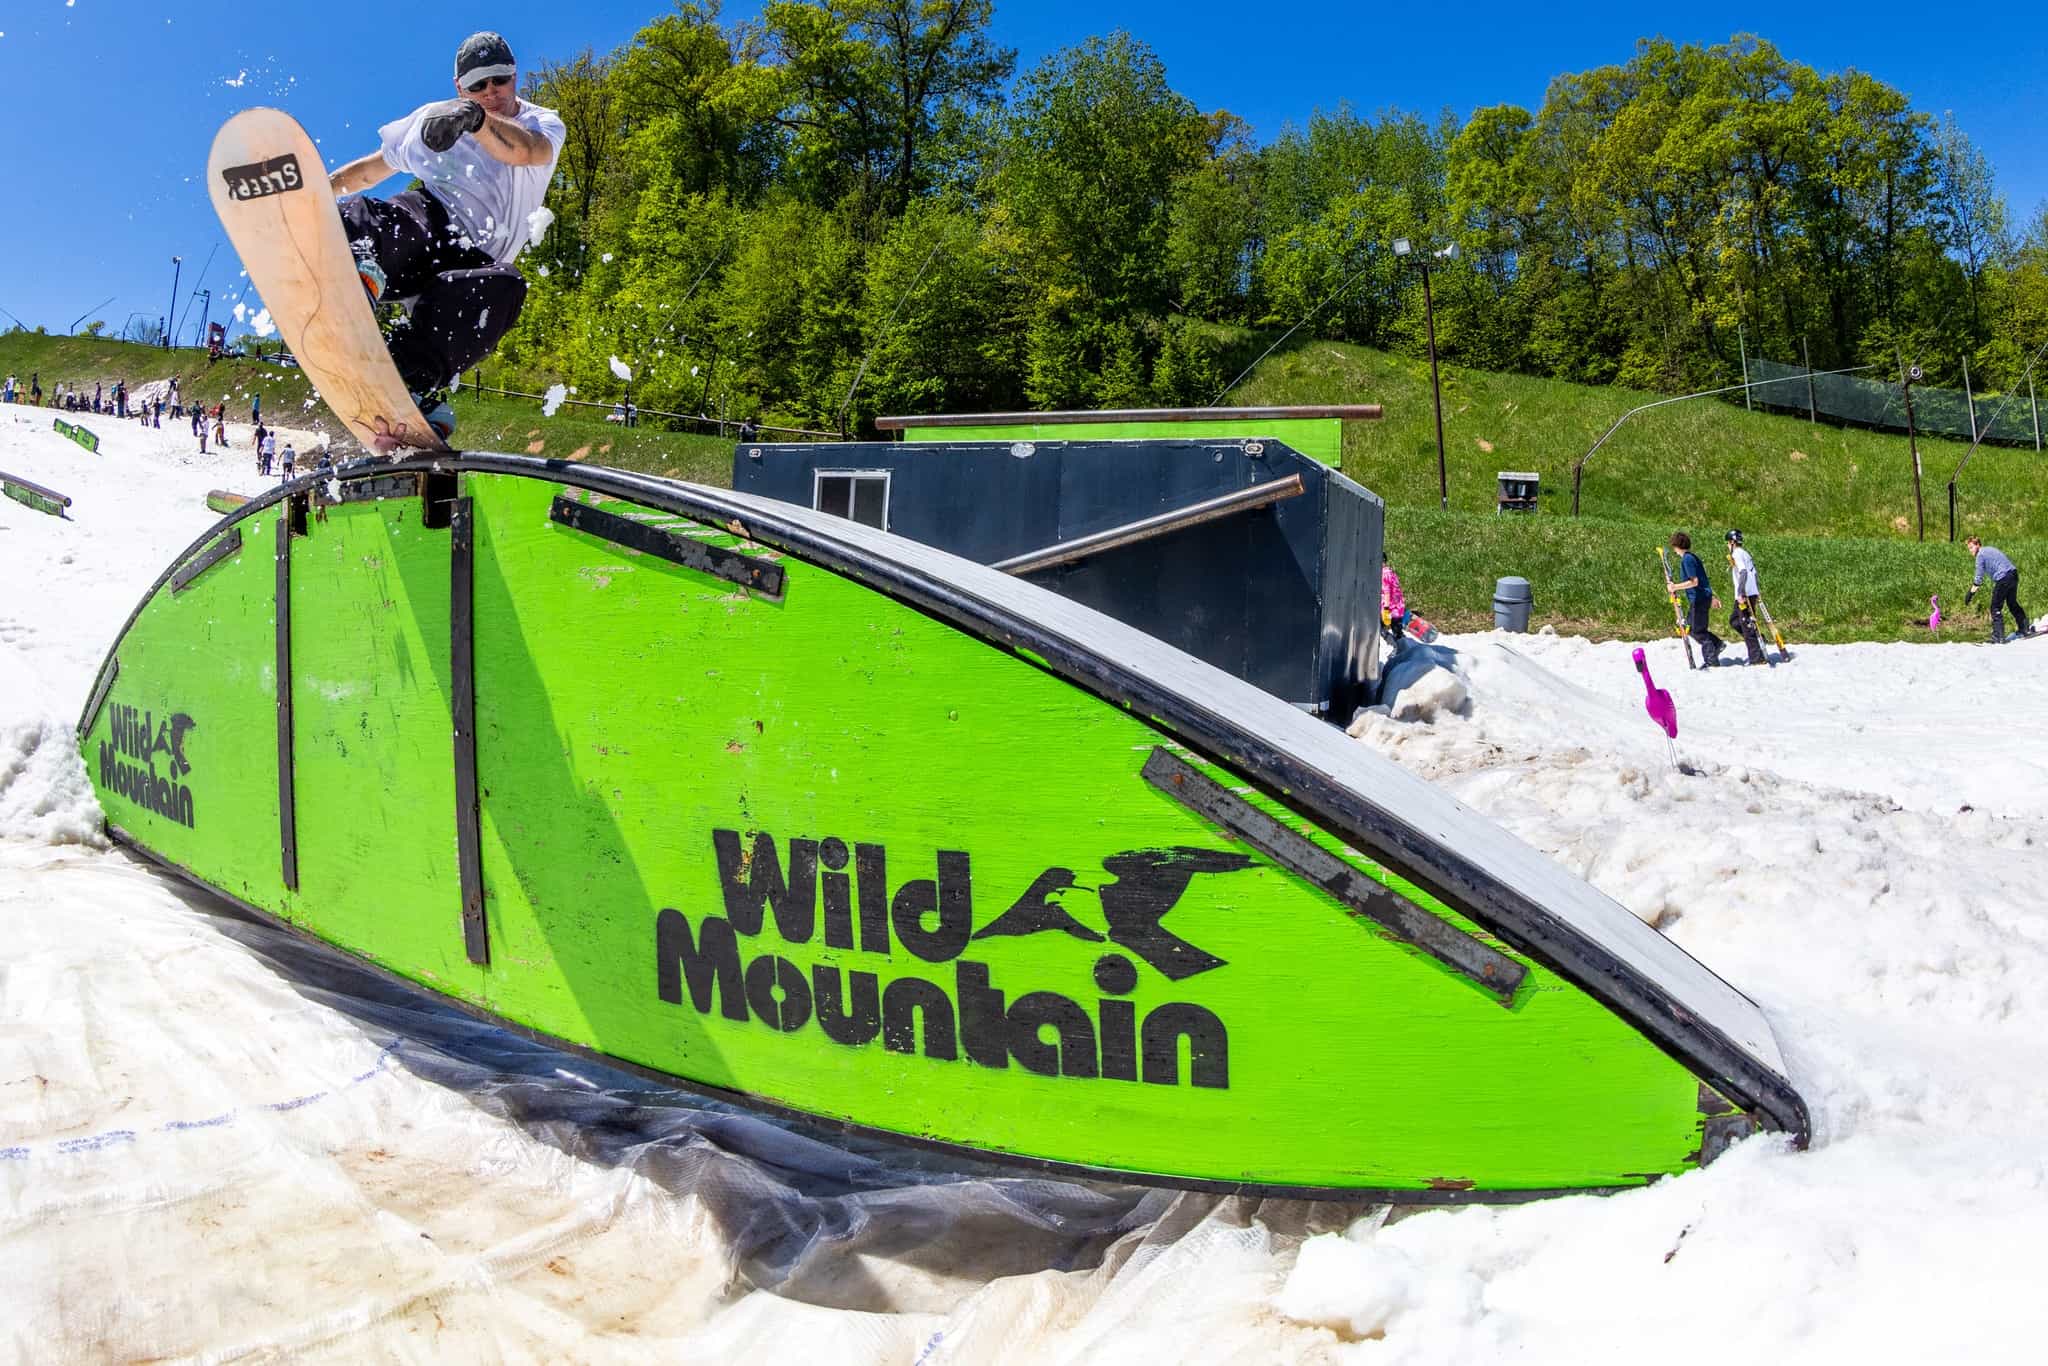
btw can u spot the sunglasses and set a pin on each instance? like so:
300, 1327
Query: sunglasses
478, 87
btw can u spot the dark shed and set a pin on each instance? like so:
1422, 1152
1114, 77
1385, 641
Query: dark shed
1241, 551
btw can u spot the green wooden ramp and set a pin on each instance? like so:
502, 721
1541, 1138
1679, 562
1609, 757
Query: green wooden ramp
787, 809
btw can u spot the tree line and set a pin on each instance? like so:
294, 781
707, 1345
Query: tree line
851, 207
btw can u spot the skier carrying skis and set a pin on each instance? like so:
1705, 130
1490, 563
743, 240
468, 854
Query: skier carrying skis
485, 159
2005, 588
1699, 595
1743, 617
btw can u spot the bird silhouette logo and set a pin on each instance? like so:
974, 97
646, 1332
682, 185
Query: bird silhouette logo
170, 739
1146, 885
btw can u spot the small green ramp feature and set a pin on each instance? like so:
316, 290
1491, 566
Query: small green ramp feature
785, 809
34, 495
79, 434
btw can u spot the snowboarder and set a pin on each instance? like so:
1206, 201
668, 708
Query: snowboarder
1699, 594
2005, 588
1743, 618
484, 159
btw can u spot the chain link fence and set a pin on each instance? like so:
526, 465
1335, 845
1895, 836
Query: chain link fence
2003, 419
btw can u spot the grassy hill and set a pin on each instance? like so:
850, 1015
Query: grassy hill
484, 423
1828, 513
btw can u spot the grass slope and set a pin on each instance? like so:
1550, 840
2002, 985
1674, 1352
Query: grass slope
1828, 513
482, 423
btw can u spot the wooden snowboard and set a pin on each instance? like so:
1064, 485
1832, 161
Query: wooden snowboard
271, 192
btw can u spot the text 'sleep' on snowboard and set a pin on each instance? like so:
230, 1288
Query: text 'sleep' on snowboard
279, 175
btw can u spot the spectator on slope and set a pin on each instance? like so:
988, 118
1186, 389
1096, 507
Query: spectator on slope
1992, 563
1699, 595
35, 388
268, 449
7, 392
291, 458
484, 160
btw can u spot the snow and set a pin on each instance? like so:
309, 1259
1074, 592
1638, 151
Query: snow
238, 1145
621, 369
537, 224
553, 399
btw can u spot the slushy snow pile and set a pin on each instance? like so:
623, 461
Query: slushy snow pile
217, 1142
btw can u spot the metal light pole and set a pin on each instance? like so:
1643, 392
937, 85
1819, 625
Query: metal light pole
1406, 252
1907, 374
177, 264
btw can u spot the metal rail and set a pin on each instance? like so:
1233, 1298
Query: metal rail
1158, 524
1064, 416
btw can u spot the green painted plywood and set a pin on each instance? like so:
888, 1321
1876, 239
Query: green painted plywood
660, 752
1319, 438
372, 722
192, 719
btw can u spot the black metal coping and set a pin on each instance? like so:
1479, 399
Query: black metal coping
476, 939
1442, 871
189, 572
287, 775
1492, 971
1353, 411
745, 570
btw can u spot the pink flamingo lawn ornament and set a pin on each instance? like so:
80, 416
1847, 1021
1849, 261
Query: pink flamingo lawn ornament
1658, 703
1934, 617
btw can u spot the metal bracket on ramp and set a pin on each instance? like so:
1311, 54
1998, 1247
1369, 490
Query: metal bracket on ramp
762, 575
1491, 969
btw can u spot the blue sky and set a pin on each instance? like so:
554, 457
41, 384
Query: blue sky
107, 107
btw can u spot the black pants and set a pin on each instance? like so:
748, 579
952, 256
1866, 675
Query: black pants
2005, 591
1710, 644
463, 301
1743, 619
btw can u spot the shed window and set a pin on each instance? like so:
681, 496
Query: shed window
859, 495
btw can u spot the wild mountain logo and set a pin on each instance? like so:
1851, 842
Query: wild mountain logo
128, 761
819, 897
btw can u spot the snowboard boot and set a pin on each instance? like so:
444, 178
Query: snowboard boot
439, 415
372, 276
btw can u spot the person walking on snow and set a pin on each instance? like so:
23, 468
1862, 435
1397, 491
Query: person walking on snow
2005, 588
1747, 593
484, 159
1699, 594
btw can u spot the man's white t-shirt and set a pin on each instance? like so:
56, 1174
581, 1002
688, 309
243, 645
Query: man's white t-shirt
489, 200
1745, 572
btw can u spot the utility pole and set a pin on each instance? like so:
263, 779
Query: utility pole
177, 264
1742, 347
1907, 374
1406, 252
1971, 399
1812, 408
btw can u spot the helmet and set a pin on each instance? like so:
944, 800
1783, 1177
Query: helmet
1735, 538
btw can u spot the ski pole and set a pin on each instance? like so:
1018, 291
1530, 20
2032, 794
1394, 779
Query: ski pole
1678, 626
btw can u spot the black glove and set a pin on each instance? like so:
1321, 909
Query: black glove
1967, 596
448, 121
